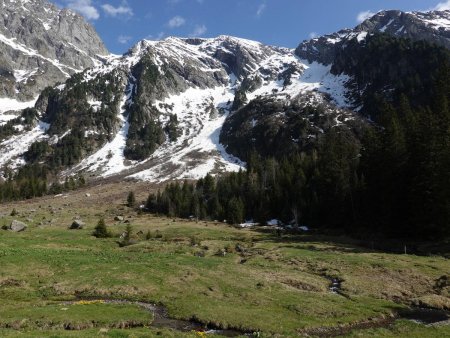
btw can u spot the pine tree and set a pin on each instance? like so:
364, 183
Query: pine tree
126, 240
100, 230
235, 211
131, 200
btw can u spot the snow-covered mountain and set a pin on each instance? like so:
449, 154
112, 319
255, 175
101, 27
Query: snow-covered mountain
195, 82
179, 108
41, 45
431, 26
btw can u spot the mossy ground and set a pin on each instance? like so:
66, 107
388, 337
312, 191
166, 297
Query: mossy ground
279, 286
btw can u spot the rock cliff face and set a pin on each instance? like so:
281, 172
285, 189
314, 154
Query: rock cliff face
430, 26
41, 45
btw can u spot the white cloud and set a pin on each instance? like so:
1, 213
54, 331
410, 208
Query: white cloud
442, 6
364, 16
159, 36
124, 39
198, 31
313, 35
261, 9
85, 8
176, 21
123, 9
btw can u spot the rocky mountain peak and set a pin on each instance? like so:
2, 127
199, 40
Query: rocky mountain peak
41, 44
433, 26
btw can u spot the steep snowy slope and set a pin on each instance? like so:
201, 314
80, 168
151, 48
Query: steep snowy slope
182, 91
209, 72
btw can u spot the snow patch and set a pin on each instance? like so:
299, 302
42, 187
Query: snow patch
7, 105
110, 159
24, 75
95, 104
13, 148
198, 150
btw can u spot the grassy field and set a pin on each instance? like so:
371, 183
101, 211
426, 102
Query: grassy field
276, 286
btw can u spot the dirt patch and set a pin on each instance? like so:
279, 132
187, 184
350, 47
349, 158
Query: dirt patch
300, 285
343, 329
433, 302
11, 282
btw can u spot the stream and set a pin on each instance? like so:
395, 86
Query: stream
426, 316
420, 315
161, 320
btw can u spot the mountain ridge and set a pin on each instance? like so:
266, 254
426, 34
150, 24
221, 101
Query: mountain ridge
174, 108
431, 26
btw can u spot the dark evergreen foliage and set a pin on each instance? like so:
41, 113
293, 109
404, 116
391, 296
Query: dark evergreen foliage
172, 128
100, 230
32, 181
395, 182
386, 67
145, 132
27, 119
131, 200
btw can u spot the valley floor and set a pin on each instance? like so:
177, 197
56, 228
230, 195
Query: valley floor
57, 282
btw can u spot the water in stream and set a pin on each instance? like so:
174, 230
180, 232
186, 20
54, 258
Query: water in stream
161, 319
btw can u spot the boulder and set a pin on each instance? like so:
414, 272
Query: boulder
119, 218
17, 226
77, 225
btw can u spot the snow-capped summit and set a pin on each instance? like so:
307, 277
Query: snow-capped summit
179, 107
157, 111
433, 26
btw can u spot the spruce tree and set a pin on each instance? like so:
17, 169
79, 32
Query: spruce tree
100, 230
131, 200
235, 211
126, 240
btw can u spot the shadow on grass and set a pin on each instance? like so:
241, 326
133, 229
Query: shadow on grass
346, 244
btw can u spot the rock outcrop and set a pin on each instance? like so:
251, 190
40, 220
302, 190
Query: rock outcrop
41, 45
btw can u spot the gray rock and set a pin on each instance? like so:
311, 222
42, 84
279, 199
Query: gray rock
77, 225
17, 226
119, 218
58, 43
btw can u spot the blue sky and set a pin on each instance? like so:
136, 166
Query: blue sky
121, 23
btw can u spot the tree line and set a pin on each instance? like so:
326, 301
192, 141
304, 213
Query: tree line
394, 182
31, 181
